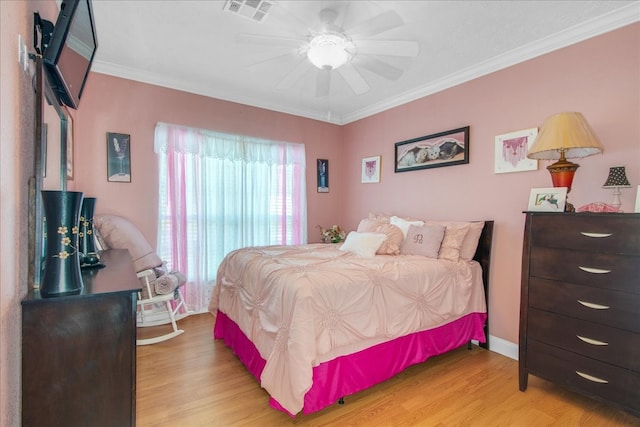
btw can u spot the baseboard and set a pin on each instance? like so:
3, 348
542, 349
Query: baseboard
503, 347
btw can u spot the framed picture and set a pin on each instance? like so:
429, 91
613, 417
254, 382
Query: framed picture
371, 170
551, 199
637, 209
118, 157
323, 175
69, 148
433, 151
511, 151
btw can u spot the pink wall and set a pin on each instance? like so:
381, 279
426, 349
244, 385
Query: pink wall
599, 78
17, 112
112, 104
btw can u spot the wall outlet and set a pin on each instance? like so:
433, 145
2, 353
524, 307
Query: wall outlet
23, 56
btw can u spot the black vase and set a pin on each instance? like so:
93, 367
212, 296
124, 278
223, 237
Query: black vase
62, 274
88, 254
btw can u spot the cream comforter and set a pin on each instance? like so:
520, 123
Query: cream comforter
303, 305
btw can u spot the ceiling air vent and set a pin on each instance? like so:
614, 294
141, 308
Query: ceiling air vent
256, 10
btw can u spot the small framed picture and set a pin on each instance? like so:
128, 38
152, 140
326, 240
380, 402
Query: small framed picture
637, 209
118, 157
447, 148
323, 175
371, 170
511, 151
550, 199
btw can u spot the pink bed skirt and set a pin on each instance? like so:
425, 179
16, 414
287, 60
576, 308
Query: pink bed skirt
349, 374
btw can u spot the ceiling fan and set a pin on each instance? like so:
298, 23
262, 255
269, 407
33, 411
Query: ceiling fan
329, 49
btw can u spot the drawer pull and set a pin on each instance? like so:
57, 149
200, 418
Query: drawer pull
594, 270
592, 378
597, 235
591, 341
594, 306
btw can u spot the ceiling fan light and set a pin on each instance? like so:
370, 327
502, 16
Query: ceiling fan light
329, 51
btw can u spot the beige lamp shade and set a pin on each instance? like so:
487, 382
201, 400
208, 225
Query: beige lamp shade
567, 133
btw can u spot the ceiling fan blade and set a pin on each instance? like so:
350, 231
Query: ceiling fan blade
354, 79
376, 25
381, 68
388, 47
269, 60
323, 82
295, 74
269, 40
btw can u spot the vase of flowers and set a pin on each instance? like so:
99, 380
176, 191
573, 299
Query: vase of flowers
333, 234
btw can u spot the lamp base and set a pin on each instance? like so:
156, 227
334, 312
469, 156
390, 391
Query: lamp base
562, 172
568, 207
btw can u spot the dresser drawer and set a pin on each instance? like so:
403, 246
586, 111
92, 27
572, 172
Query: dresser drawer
593, 269
607, 344
614, 234
613, 308
611, 383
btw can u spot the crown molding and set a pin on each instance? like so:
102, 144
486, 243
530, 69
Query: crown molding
603, 24
617, 19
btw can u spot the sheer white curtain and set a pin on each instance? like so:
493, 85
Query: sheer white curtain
219, 192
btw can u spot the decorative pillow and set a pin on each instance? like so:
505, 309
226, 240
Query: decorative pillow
363, 244
450, 247
423, 240
119, 233
368, 225
404, 224
391, 246
471, 239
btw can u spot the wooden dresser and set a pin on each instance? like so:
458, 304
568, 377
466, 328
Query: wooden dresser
580, 304
79, 352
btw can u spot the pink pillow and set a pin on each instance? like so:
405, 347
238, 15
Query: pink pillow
119, 233
391, 246
471, 239
423, 240
368, 225
450, 247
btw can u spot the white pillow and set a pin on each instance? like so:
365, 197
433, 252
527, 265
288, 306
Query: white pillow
404, 224
363, 244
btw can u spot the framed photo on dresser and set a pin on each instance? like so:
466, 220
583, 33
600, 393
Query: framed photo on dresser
550, 199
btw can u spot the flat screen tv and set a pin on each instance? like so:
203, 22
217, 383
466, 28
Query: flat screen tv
68, 57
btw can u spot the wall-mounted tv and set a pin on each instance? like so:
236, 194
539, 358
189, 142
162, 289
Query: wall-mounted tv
68, 57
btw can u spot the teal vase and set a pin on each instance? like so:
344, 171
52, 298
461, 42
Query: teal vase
88, 254
62, 274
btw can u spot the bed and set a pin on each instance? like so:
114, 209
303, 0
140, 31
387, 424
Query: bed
315, 323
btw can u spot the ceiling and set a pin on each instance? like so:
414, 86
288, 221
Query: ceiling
194, 46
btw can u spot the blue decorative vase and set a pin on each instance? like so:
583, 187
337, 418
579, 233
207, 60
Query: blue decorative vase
62, 274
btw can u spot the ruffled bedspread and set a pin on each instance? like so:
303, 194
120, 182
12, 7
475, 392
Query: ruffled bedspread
303, 305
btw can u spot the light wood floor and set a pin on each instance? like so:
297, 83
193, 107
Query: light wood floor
193, 380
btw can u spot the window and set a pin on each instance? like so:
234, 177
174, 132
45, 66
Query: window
220, 192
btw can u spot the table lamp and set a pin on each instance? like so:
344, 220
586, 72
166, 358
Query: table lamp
563, 136
617, 179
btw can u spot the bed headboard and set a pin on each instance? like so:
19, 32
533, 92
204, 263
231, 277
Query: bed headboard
483, 256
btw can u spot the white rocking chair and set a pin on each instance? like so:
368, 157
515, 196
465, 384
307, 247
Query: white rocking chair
148, 298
